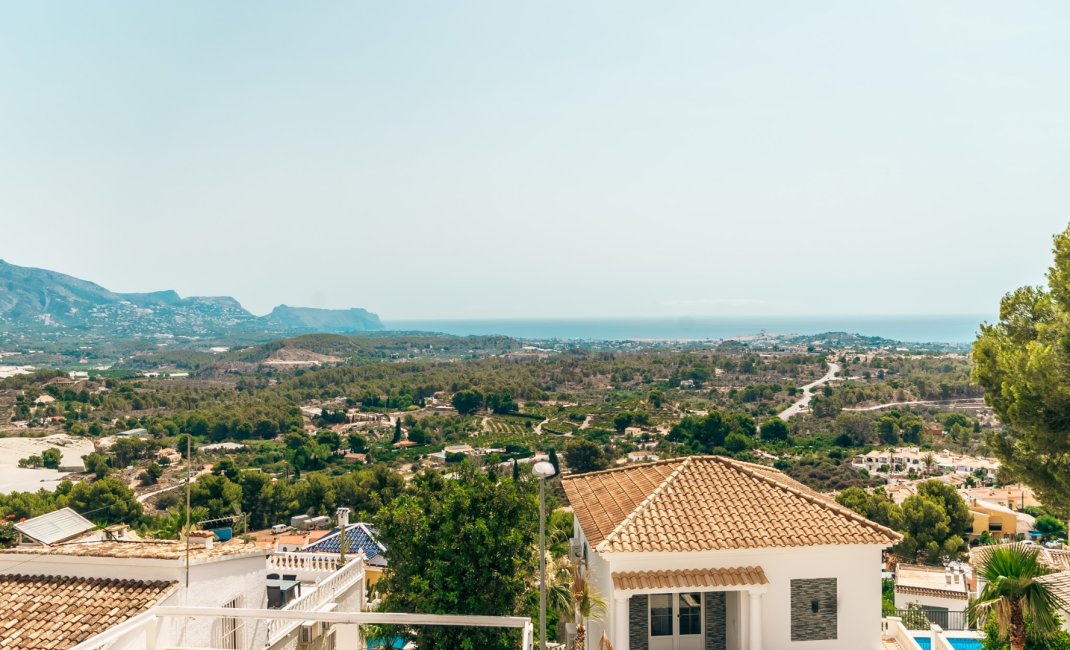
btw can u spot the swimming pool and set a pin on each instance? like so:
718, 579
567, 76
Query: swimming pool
958, 643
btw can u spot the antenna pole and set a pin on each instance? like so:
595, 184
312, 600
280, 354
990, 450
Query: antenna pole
189, 471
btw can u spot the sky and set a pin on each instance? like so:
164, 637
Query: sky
553, 159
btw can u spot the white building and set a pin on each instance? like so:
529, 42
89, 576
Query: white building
708, 552
942, 593
71, 588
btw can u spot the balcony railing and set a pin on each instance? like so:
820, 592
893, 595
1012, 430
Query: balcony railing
922, 618
307, 562
327, 590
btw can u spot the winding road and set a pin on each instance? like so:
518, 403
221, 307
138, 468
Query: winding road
808, 392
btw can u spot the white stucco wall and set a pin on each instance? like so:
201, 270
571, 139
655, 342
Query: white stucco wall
856, 569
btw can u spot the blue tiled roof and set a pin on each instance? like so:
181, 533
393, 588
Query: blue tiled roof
360, 538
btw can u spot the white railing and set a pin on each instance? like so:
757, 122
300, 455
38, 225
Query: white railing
345, 618
311, 562
326, 591
893, 628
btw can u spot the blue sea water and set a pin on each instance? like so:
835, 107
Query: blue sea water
922, 329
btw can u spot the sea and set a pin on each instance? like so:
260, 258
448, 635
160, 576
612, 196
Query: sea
957, 329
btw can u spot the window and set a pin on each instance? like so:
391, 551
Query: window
661, 615
995, 526
691, 613
230, 629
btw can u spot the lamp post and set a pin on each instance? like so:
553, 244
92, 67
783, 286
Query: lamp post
542, 471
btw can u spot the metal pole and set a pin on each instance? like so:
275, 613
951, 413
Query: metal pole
542, 564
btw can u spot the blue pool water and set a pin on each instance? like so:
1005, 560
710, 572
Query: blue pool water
958, 644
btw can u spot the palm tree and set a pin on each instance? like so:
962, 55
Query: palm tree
574, 595
1013, 596
929, 460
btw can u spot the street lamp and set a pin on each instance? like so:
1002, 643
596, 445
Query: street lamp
542, 471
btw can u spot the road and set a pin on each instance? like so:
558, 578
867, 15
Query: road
977, 402
148, 495
808, 392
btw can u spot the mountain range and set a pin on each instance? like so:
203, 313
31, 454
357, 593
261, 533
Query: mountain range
38, 299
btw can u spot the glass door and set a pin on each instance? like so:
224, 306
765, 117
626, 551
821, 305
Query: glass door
689, 621
676, 621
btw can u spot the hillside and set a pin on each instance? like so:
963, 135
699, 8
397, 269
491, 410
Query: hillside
39, 300
322, 320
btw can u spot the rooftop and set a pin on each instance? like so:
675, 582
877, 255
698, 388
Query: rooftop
703, 503
360, 537
147, 549
929, 581
1059, 585
38, 612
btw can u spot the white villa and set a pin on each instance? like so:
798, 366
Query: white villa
708, 553
903, 460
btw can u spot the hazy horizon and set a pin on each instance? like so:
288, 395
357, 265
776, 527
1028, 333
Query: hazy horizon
481, 160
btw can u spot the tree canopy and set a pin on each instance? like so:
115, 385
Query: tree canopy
1023, 364
486, 569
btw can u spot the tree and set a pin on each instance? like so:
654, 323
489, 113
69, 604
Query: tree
488, 566
1013, 597
516, 471
582, 456
575, 595
217, 494
358, 444
1050, 526
774, 429
622, 421
51, 458
876, 507
1023, 364
467, 401
108, 499
33, 461
936, 522
151, 474
96, 463
397, 430
555, 462
736, 442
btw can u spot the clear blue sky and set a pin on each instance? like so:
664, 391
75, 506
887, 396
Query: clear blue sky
508, 159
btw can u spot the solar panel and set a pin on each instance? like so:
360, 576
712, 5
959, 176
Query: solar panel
56, 526
359, 540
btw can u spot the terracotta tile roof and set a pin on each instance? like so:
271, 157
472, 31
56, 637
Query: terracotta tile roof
704, 503
155, 549
1059, 585
938, 593
1056, 559
689, 578
1060, 559
44, 612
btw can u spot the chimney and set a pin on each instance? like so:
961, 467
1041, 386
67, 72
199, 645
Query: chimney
343, 518
202, 538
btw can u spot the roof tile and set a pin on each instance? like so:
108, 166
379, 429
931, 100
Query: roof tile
689, 578
36, 612
703, 503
